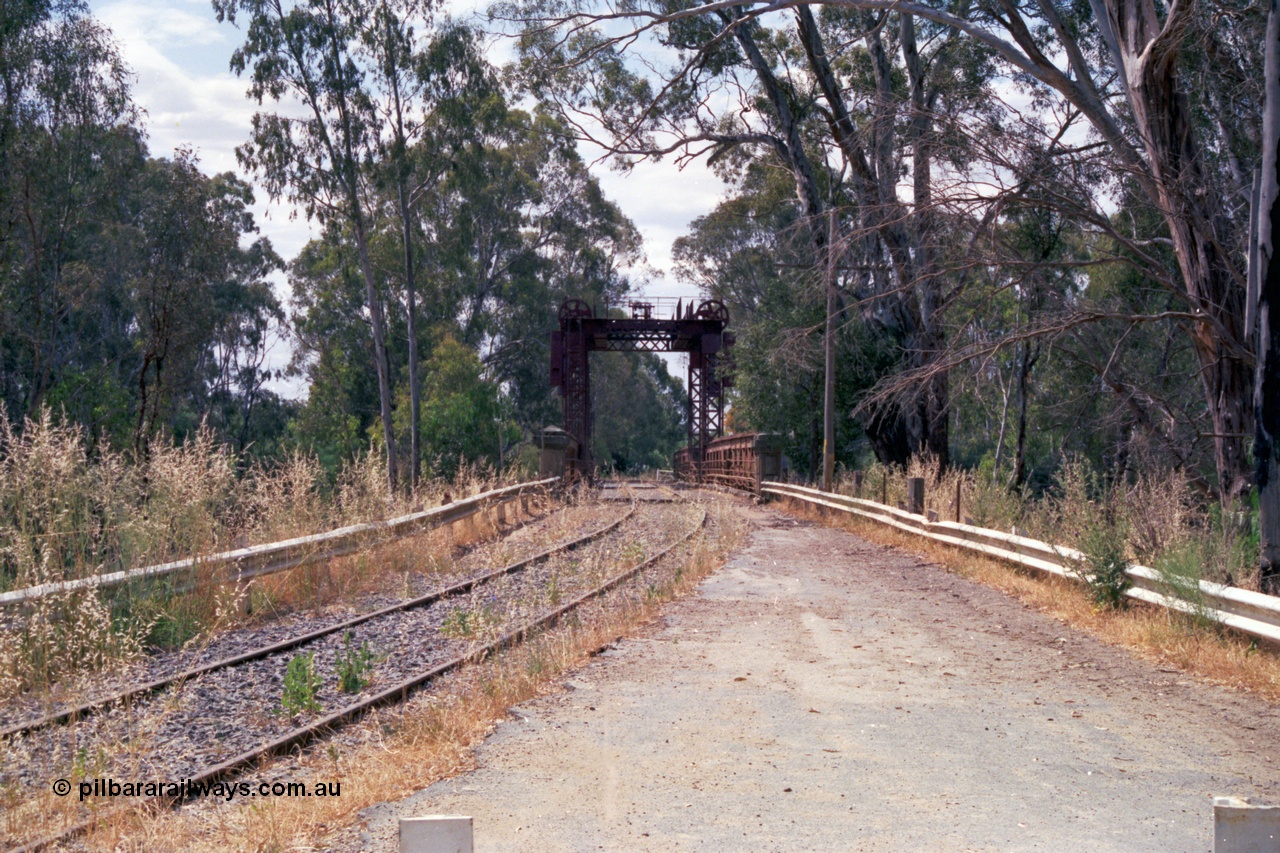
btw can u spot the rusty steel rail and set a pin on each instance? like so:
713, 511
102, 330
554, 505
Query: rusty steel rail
258, 560
1251, 613
86, 709
396, 693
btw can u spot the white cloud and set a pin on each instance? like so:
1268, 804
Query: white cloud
180, 55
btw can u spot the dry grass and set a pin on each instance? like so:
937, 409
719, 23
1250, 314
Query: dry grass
1157, 514
31, 813
1155, 634
405, 750
68, 512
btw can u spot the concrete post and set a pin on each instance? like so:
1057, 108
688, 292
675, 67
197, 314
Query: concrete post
553, 443
915, 495
436, 834
1242, 827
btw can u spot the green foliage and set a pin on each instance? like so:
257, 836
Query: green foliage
459, 623
135, 296
1181, 569
467, 624
355, 665
301, 683
462, 418
639, 412
1105, 564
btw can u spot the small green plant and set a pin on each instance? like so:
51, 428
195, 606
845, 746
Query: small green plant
459, 623
354, 665
554, 593
1181, 569
300, 685
1105, 564
263, 600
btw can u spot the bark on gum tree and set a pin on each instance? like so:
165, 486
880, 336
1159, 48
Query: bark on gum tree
302, 51
1264, 281
1166, 160
1146, 52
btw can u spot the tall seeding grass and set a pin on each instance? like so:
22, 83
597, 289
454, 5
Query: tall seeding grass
67, 512
1157, 520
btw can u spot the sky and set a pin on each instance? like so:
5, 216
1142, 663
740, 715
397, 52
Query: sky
180, 56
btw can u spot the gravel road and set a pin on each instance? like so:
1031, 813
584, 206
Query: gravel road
823, 693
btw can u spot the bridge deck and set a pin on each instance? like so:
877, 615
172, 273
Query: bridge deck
823, 693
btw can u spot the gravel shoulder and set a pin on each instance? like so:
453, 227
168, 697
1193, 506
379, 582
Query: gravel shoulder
823, 693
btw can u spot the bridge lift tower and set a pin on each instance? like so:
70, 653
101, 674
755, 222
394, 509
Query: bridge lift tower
699, 331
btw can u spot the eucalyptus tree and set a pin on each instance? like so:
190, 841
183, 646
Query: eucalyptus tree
200, 297
520, 225
315, 148
515, 225
69, 144
1172, 95
428, 81
248, 319
850, 104
1264, 284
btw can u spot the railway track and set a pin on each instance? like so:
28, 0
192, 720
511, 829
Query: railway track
397, 692
86, 709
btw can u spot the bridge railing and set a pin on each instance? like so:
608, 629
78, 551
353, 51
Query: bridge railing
1251, 613
258, 560
741, 461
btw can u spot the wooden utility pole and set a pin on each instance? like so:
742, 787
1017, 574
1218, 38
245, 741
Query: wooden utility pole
829, 359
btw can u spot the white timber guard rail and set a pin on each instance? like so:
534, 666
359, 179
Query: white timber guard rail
1249, 612
256, 560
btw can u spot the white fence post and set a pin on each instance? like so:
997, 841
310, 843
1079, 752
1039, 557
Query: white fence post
436, 834
1239, 826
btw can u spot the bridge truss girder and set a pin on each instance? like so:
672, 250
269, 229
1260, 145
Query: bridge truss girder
698, 331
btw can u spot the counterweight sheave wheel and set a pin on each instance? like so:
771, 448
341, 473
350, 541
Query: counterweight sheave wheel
575, 309
712, 309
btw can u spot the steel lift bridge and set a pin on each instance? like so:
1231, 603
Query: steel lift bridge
699, 331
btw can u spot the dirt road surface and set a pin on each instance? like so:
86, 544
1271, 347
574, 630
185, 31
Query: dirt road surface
823, 693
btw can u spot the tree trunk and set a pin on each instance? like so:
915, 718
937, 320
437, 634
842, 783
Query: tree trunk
936, 400
1146, 50
1026, 361
886, 429
379, 353
904, 234
415, 387
829, 362
1264, 279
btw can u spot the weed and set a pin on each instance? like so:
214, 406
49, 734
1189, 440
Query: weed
1181, 569
300, 685
354, 665
68, 512
1105, 566
263, 600
459, 624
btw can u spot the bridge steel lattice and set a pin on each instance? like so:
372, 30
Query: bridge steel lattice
699, 331
742, 461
